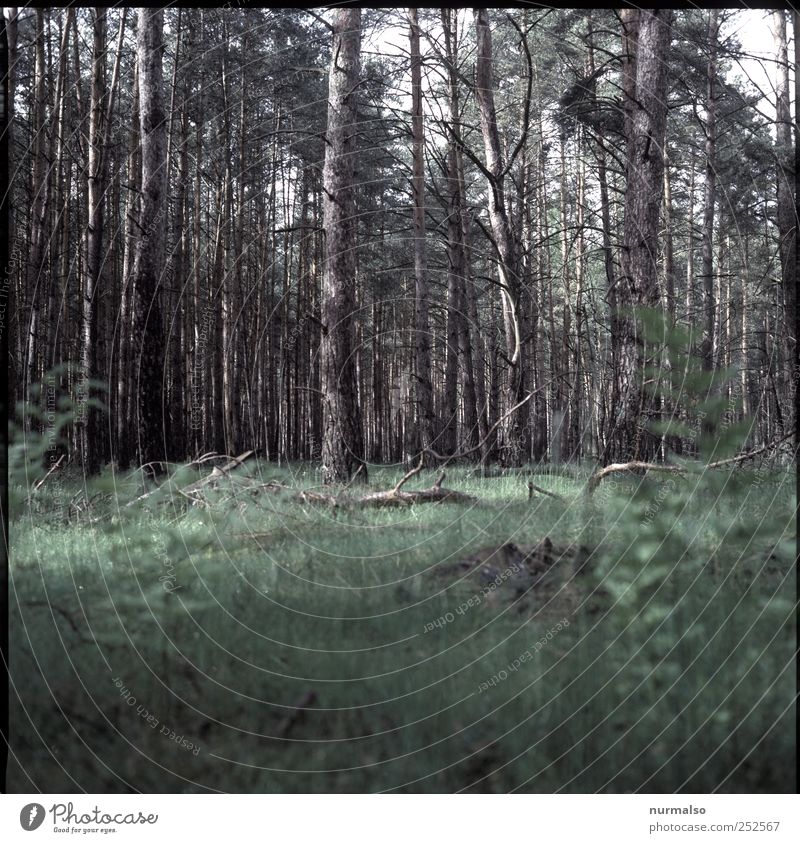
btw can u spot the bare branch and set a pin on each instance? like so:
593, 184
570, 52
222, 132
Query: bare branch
40, 483
532, 487
497, 424
527, 106
742, 457
406, 477
635, 465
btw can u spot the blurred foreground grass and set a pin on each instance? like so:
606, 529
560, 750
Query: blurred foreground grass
262, 645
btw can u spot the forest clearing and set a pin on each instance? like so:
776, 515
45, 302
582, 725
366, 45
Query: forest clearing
283, 640
403, 400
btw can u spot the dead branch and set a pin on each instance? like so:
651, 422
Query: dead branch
635, 465
497, 424
190, 490
207, 457
414, 471
595, 479
742, 457
532, 487
40, 483
218, 472
435, 494
307, 496
393, 497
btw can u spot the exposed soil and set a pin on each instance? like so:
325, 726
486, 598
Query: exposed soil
545, 578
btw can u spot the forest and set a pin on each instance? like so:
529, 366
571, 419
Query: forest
270, 270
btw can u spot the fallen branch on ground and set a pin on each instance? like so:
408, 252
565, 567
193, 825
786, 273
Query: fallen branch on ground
190, 490
614, 468
742, 457
635, 465
532, 487
393, 497
397, 497
218, 472
40, 483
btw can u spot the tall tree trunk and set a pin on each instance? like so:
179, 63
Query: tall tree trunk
456, 259
689, 302
342, 449
178, 330
669, 248
646, 116
11, 337
576, 428
125, 397
148, 261
710, 193
787, 214
60, 205
35, 284
200, 382
514, 316
176, 309
423, 392
97, 185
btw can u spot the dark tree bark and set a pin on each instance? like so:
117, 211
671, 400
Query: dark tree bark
35, 283
786, 210
456, 259
10, 337
176, 443
342, 448
669, 246
126, 447
148, 263
646, 116
422, 375
100, 114
710, 194
94, 236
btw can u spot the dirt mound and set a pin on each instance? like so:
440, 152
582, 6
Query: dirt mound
541, 577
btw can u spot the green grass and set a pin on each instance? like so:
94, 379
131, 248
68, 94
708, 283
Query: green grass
676, 671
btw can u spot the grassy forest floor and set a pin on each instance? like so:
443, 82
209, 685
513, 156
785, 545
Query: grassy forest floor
643, 639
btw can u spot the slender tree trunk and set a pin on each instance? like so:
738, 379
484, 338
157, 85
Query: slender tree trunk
35, 283
342, 450
60, 207
175, 309
148, 261
576, 427
689, 303
177, 403
423, 392
562, 392
710, 194
669, 246
507, 249
125, 397
787, 212
477, 343
456, 259
94, 239
12, 337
